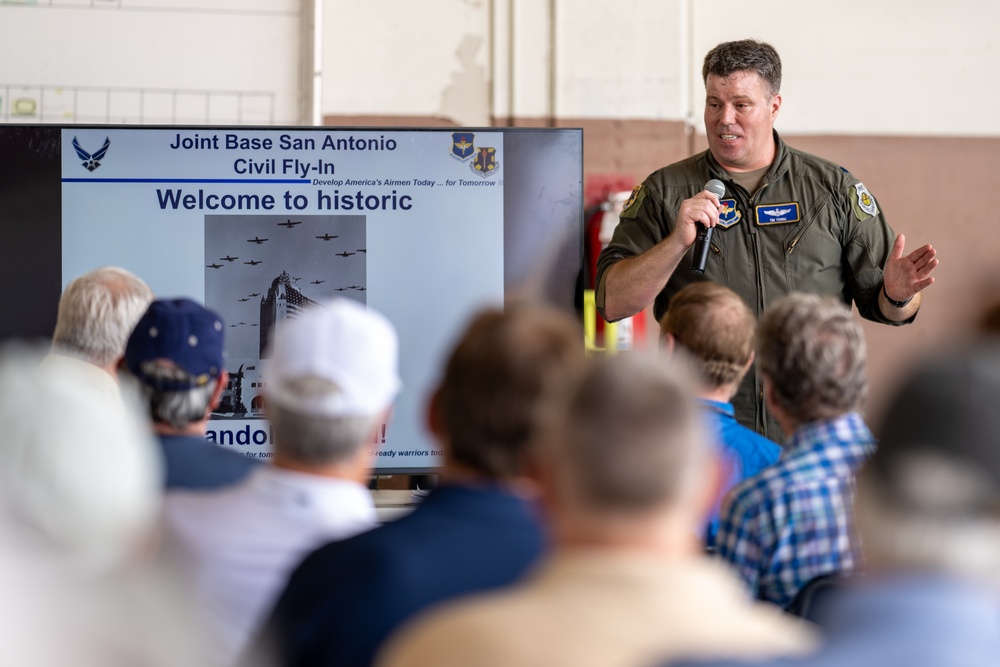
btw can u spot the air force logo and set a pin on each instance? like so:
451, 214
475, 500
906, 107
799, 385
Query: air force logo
729, 215
462, 147
485, 162
92, 160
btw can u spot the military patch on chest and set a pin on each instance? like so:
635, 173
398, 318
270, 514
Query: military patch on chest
864, 203
729, 215
631, 208
778, 214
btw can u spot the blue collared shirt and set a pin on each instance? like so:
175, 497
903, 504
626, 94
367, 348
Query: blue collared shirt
795, 520
743, 452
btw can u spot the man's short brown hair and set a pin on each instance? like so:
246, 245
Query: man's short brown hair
500, 382
714, 325
745, 55
631, 438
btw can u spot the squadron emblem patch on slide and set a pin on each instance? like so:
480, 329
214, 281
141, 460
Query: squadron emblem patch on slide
864, 203
631, 207
462, 146
485, 162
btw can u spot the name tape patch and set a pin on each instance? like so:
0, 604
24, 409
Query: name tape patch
778, 214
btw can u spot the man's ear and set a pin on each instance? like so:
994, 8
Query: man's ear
667, 343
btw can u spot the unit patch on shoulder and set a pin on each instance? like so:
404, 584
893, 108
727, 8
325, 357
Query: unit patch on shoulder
864, 203
729, 215
631, 208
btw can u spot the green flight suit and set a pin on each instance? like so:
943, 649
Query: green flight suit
811, 227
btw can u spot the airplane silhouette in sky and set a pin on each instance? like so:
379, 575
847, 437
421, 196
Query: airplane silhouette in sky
254, 262
344, 254
254, 294
256, 240
327, 237
213, 266
317, 282
289, 223
229, 259
343, 289
245, 299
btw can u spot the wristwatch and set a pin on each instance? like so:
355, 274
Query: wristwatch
897, 304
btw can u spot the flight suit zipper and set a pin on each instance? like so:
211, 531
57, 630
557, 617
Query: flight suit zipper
761, 418
795, 241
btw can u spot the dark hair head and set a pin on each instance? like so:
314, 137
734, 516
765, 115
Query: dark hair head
500, 382
745, 55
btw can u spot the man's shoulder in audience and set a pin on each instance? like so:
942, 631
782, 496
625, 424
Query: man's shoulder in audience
192, 462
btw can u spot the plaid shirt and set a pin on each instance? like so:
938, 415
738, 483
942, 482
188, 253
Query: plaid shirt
795, 520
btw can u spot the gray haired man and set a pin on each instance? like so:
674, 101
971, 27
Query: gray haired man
927, 512
175, 354
793, 522
97, 312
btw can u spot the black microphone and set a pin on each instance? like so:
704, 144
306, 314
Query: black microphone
703, 241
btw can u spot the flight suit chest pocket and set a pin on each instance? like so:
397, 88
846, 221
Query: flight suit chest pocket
811, 253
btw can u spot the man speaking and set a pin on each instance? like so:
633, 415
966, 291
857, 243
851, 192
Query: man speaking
786, 221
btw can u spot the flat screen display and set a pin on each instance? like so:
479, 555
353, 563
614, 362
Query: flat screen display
423, 225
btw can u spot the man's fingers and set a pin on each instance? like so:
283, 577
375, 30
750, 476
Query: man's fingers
702, 210
923, 253
926, 269
897, 247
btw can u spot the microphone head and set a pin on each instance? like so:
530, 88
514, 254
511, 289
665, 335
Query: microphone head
716, 187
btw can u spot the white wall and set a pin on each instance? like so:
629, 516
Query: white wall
891, 67
123, 61
391, 57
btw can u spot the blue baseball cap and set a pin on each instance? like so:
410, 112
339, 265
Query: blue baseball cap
177, 334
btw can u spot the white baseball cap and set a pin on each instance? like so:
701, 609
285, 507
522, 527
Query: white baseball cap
345, 343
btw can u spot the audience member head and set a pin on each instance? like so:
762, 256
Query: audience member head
630, 444
745, 55
929, 498
176, 355
331, 380
97, 312
500, 383
714, 325
812, 355
81, 476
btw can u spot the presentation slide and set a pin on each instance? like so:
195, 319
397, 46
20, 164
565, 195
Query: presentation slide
260, 224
